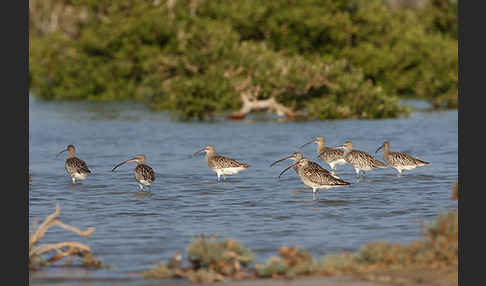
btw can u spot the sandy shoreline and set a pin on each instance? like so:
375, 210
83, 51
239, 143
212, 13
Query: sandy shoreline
439, 277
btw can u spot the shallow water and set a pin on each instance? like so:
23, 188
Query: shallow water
136, 230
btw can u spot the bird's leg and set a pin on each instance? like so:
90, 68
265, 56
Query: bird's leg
224, 177
218, 176
357, 172
74, 180
141, 186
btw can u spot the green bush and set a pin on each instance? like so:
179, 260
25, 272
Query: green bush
329, 59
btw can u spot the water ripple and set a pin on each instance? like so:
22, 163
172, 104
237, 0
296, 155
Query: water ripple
135, 230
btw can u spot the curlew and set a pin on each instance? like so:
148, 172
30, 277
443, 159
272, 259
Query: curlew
315, 178
221, 165
333, 157
144, 174
399, 160
361, 161
296, 156
75, 167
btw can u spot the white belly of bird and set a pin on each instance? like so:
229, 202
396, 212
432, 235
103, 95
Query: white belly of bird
364, 168
408, 168
79, 176
145, 183
229, 171
338, 162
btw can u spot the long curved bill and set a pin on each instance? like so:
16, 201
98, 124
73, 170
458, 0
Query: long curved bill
198, 152
131, 160
286, 158
294, 164
61, 152
310, 142
379, 148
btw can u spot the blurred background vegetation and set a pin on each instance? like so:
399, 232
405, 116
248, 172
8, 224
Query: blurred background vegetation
200, 58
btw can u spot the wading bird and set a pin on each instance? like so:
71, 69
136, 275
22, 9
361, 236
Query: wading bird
333, 157
75, 167
315, 178
296, 156
144, 174
221, 165
399, 160
361, 161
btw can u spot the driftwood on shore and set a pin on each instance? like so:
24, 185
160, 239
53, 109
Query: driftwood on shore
61, 249
249, 97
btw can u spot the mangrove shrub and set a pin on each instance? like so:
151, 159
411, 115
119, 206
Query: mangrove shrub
327, 59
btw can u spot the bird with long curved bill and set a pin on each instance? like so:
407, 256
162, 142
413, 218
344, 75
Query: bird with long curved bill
144, 174
297, 156
315, 178
75, 167
399, 160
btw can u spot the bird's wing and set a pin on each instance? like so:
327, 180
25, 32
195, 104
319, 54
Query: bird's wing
79, 164
322, 178
225, 162
400, 158
147, 173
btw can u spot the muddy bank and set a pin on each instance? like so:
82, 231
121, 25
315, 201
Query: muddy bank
440, 277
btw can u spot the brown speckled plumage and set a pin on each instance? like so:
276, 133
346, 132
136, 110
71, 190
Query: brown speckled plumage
316, 178
322, 178
144, 174
399, 160
297, 156
360, 160
220, 164
331, 156
75, 167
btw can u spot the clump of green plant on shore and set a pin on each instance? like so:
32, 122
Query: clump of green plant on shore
291, 262
209, 260
331, 59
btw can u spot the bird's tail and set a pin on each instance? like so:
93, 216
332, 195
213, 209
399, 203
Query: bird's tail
342, 182
422, 163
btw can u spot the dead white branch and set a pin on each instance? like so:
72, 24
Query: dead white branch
62, 249
249, 97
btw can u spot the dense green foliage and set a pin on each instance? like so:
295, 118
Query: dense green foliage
329, 59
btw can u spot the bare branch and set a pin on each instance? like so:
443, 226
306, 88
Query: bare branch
44, 248
86, 232
44, 226
61, 249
